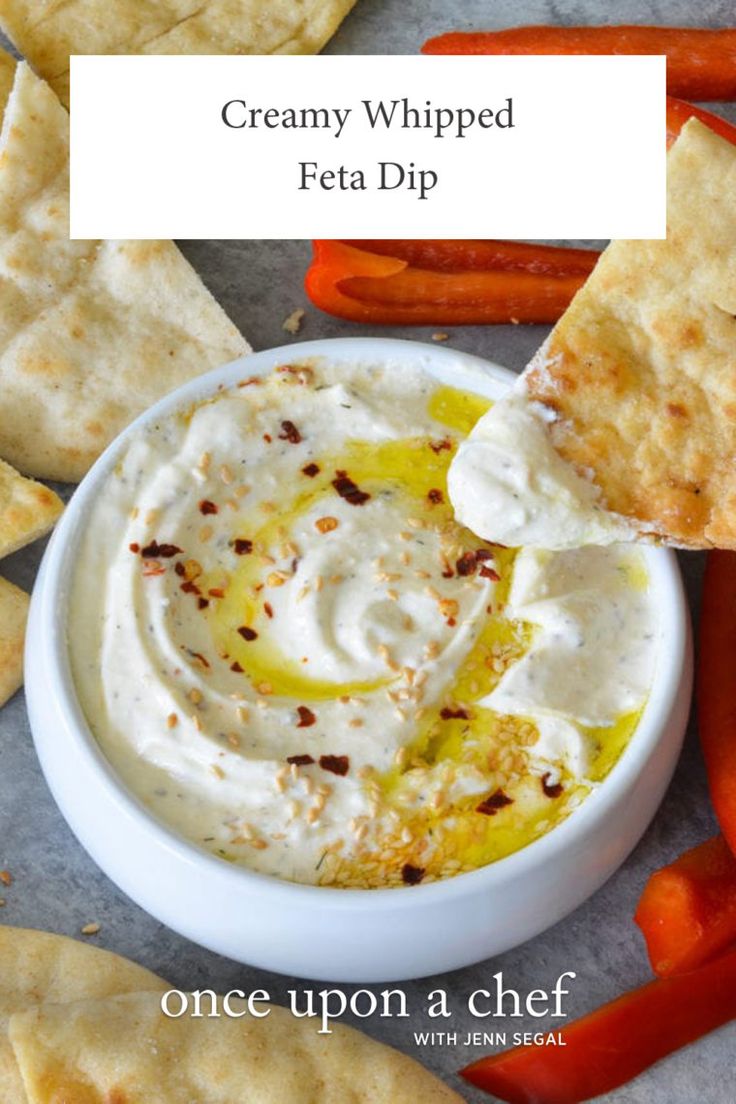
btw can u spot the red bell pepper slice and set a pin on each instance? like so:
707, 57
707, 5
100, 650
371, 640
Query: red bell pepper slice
687, 911
445, 283
701, 63
615, 1043
678, 113
716, 686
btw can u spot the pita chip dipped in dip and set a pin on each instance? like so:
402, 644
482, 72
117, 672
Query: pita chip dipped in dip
623, 427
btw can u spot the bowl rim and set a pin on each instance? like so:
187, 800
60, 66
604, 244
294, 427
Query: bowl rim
53, 594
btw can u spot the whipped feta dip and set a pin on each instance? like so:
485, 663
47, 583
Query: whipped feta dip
293, 653
508, 484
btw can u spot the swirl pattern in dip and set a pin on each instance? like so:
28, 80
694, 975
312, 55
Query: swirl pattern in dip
295, 656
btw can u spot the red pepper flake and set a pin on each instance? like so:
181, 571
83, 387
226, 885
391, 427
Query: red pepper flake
152, 569
336, 764
306, 717
134, 547
289, 432
435, 496
489, 573
254, 381
216, 592
200, 659
300, 760
156, 551
6, 877
311, 470
496, 801
202, 603
439, 446
268, 609
553, 790
242, 546
467, 564
179, 568
267, 438
348, 490
459, 714
412, 875
247, 633
236, 668
207, 507
190, 587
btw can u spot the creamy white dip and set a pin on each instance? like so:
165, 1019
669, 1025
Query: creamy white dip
296, 657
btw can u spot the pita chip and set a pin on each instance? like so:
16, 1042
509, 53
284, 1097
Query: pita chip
28, 510
48, 32
633, 396
37, 966
91, 332
7, 75
14, 604
125, 1049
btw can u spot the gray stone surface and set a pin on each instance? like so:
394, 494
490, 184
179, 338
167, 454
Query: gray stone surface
57, 887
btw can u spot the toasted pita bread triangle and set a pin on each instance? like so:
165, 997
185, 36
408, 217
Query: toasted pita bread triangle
126, 1049
13, 616
7, 75
640, 372
37, 966
28, 510
91, 332
48, 32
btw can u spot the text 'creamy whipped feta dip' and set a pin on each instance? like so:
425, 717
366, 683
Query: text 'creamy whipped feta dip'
295, 656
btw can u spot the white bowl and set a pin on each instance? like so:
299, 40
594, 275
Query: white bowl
318, 932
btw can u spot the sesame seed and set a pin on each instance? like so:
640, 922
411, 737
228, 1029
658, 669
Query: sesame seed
90, 929
276, 579
172, 720
226, 474
195, 696
326, 524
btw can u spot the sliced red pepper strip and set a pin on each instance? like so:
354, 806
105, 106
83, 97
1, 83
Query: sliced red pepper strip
687, 911
445, 283
716, 686
615, 1043
701, 63
478, 255
678, 113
